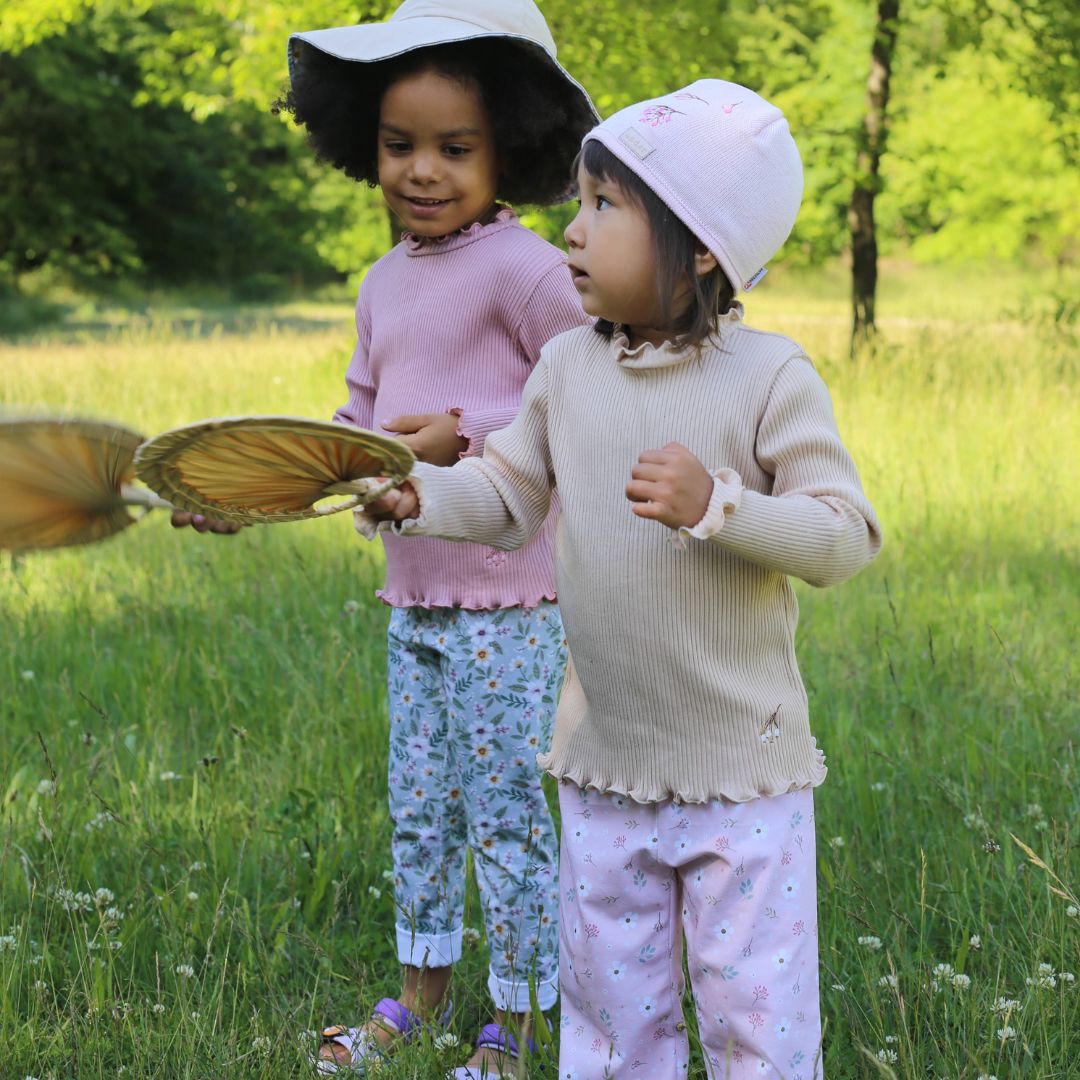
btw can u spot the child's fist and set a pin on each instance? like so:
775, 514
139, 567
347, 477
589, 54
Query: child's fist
396, 505
181, 519
670, 486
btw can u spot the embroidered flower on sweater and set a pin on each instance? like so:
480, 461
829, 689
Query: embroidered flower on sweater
657, 115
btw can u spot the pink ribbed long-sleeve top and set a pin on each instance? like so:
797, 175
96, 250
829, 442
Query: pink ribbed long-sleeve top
456, 324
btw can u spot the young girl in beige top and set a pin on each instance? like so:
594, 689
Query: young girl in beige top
698, 466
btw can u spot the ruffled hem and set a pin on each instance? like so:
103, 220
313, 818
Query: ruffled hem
430, 245
731, 789
723, 502
470, 604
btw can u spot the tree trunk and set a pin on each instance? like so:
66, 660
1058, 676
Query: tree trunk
871, 146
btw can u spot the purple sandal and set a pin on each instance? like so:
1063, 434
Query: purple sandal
493, 1037
362, 1047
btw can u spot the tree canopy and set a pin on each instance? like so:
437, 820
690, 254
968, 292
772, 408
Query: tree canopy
137, 139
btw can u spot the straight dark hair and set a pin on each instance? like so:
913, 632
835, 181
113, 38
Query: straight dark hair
675, 248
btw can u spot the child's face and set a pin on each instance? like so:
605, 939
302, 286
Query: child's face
438, 168
612, 259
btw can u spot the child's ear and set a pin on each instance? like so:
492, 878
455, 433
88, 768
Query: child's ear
704, 261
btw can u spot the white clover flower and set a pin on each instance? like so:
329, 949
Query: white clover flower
870, 941
891, 1039
879, 785
984, 1076
887, 1056
976, 822
1004, 1033
961, 982
836, 842
185, 970
991, 846
350, 607
374, 893
195, 1016
388, 875
195, 867
889, 981
261, 1044
447, 1041
1003, 1006
28, 676
840, 987
470, 935
46, 788
1072, 911
8, 943
943, 971
40, 985
1034, 810
1044, 979
975, 941
1046, 969
192, 897
158, 1008
165, 777
99, 821
1066, 977
103, 897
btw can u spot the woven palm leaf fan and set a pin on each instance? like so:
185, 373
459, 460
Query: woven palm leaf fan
271, 468
65, 482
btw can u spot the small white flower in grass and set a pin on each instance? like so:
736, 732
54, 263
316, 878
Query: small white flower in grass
102, 897
261, 1044
839, 987
28, 676
1066, 977
116, 946
836, 842
891, 1040
192, 897
991, 846
1003, 1006
1034, 810
975, 941
350, 607
1072, 911
7, 943
165, 777
388, 875
470, 935
373, 892
194, 1016
870, 941
195, 867
46, 788
889, 981
976, 822
185, 971
878, 785
943, 971
1044, 979
984, 1076
158, 1009
1006, 1033
40, 985
961, 982
887, 1056
447, 1041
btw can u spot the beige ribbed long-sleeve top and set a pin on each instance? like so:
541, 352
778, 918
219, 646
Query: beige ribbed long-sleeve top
683, 681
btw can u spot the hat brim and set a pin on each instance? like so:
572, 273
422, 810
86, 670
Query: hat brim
370, 43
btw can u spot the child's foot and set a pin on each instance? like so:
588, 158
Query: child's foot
496, 1052
352, 1048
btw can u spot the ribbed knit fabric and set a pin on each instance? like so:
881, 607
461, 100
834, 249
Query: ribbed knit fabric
683, 681
456, 324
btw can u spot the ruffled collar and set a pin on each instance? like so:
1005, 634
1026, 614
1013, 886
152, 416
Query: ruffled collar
647, 355
436, 245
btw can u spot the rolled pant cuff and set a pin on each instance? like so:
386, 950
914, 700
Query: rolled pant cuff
512, 995
428, 950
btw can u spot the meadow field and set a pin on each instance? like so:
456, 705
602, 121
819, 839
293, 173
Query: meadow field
194, 841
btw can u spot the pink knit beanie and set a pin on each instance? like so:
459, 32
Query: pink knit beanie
722, 158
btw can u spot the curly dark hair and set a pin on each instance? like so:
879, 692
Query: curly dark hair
538, 118
675, 248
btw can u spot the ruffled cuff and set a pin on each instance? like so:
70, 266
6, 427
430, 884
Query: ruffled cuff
477, 426
724, 501
369, 527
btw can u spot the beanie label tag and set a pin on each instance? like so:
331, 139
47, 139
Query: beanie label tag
636, 143
748, 285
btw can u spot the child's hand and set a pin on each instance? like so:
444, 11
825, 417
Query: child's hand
181, 519
670, 486
432, 437
396, 505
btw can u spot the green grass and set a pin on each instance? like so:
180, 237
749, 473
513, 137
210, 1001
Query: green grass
196, 723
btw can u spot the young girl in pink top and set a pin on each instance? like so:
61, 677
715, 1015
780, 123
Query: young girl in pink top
450, 108
698, 465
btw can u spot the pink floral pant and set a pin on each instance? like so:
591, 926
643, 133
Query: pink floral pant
737, 881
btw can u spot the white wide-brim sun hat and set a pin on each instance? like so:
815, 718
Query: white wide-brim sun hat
419, 24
